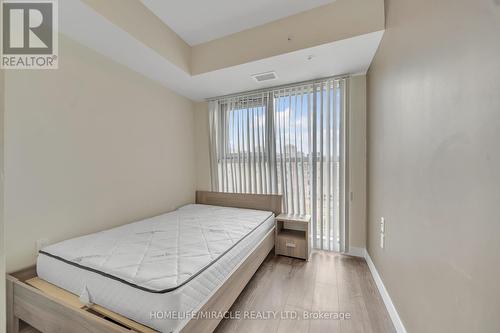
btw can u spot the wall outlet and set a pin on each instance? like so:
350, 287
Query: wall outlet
41, 243
382, 232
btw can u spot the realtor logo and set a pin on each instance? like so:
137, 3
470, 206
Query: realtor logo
29, 34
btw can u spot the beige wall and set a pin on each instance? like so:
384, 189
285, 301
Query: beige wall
434, 161
336, 21
2, 234
136, 19
357, 162
90, 146
203, 181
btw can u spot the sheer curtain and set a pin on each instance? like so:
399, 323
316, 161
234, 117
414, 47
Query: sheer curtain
287, 140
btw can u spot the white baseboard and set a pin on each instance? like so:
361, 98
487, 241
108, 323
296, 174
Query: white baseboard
393, 313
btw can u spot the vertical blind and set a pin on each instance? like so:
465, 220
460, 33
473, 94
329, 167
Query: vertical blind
290, 141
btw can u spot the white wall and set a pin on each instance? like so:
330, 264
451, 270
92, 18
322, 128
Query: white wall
90, 146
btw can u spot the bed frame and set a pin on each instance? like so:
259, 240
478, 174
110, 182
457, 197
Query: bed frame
34, 304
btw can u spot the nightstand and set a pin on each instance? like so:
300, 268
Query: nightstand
292, 236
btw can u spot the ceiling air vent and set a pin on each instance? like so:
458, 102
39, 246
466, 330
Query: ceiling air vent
265, 76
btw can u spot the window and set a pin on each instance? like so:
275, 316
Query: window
290, 141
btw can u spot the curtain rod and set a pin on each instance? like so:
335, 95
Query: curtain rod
253, 92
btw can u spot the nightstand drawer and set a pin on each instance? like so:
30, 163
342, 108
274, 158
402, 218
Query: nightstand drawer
291, 246
292, 236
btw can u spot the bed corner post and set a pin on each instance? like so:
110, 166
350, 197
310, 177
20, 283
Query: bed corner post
12, 320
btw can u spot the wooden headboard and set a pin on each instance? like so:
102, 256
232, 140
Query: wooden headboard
267, 202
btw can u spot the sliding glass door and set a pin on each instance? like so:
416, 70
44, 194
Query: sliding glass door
288, 140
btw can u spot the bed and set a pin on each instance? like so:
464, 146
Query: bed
152, 275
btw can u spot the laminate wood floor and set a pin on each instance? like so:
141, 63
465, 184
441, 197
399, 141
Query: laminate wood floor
329, 283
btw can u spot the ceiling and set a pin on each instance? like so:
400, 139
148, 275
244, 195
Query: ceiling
199, 21
349, 56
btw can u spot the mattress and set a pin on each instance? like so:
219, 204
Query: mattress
159, 270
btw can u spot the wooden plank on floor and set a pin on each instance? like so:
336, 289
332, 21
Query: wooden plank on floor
326, 293
350, 296
379, 316
301, 289
328, 282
